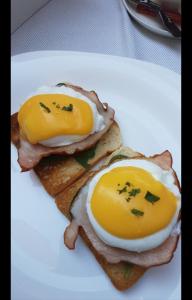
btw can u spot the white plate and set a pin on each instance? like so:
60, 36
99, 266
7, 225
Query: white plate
146, 98
153, 24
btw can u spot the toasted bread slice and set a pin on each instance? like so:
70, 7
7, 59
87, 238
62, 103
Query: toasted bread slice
56, 172
123, 275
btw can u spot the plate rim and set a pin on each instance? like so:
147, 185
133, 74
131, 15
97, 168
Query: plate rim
159, 31
32, 55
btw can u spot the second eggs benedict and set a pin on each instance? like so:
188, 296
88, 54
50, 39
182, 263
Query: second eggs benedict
58, 116
63, 119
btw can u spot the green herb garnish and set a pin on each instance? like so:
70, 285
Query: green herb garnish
123, 190
60, 84
118, 156
47, 109
128, 183
128, 199
84, 157
134, 192
137, 212
127, 270
151, 197
68, 108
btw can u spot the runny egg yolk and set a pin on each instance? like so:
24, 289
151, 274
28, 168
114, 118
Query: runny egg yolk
44, 116
115, 203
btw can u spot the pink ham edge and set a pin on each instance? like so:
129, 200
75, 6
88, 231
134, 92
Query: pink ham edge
71, 234
29, 155
158, 256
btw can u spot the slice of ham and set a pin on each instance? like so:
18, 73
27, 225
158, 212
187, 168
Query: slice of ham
29, 155
157, 256
71, 234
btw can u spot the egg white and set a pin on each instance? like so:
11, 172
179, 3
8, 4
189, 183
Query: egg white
63, 140
148, 242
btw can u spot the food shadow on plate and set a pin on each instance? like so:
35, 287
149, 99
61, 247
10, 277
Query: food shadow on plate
81, 257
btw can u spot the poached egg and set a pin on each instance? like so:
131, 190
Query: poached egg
133, 204
58, 116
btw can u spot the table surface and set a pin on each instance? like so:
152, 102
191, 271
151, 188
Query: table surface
94, 26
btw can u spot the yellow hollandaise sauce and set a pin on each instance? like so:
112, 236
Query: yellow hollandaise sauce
45, 116
129, 202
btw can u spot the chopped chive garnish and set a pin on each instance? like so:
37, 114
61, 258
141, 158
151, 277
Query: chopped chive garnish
151, 197
128, 199
137, 212
68, 108
83, 157
47, 109
134, 192
123, 190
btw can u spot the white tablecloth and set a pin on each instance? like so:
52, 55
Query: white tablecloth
102, 26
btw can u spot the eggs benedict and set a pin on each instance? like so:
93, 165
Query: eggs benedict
63, 120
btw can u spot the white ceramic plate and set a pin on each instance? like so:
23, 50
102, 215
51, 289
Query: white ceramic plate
146, 98
153, 24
